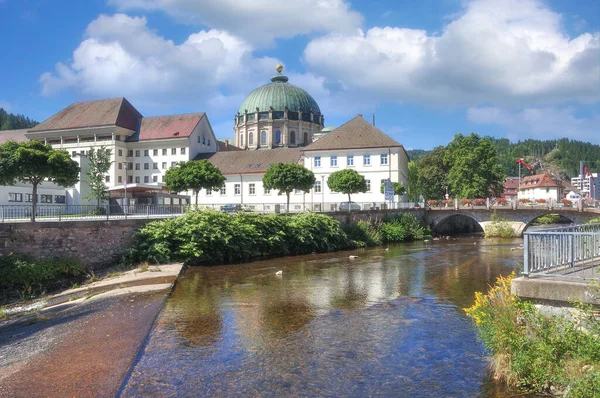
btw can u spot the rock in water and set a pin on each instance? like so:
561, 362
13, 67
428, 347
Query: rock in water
279, 273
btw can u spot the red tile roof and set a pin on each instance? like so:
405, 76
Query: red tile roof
251, 162
540, 181
107, 112
162, 127
354, 134
13, 135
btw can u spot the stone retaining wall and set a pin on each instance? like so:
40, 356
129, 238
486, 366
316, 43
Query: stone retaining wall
95, 243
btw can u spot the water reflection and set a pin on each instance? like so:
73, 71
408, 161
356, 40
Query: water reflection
389, 321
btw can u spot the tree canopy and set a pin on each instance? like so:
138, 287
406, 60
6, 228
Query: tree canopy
98, 165
193, 175
398, 188
474, 169
9, 121
347, 181
414, 188
34, 162
286, 177
433, 174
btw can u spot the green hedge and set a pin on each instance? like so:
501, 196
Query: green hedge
211, 237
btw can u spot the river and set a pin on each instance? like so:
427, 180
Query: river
389, 323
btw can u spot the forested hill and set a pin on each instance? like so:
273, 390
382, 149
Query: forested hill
561, 157
9, 121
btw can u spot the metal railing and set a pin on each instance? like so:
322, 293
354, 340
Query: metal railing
572, 251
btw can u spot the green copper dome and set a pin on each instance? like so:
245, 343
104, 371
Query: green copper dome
279, 94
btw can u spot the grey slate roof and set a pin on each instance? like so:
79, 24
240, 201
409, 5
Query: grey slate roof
251, 162
354, 134
13, 135
107, 112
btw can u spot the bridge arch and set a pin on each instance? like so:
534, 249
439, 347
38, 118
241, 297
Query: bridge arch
456, 223
562, 216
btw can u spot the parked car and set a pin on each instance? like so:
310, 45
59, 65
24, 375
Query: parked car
349, 206
231, 208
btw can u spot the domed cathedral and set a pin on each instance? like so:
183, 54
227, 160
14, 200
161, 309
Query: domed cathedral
277, 114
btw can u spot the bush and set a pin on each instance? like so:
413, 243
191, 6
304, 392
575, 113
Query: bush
26, 277
498, 228
363, 233
547, 219
534, 352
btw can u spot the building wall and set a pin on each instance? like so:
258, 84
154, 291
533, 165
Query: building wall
548, 194
22, 190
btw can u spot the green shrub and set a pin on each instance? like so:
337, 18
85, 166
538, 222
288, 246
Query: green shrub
533, 352
393, 231
363, 233
28, 277
547, 219
499, 228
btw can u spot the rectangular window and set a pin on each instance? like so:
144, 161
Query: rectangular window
16, 197
237, 189
120, 152
317, 186
129, 179
74, 153
368, 185
350, 160
137, 166
106, 178
317, 161
130, 153
120, 166
198, 139
183, 151
208, 191
164, 165
155, 152
46, 199
384, 159
333, 162
146, 179
154, 178
252, 189
130, 166
173, 151
28, 197
137, 153
267, 191
297, 192
146, 153
164, 151
223, 189
60, 199
119, 179
146, 166
155, 166
367, 160
173, 164
137, 179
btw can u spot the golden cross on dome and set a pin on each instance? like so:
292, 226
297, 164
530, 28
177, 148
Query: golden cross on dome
279, 68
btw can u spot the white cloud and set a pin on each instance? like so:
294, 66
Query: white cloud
539, 123
496, 52
122, 56
259, 21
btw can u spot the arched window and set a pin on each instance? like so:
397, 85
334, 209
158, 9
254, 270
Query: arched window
263, 138
293, 137
278, 137
305, 138
203, 140
241, 140
251, 139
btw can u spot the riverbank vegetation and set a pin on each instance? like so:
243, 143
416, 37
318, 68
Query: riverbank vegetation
499, 228
22, 277
546, 220
210, 237
537, 353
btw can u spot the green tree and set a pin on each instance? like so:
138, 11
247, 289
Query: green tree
347, 181
33, 162
474, 167
399, 189
98, 165
193, 175
414, 188
285, 177
433, 174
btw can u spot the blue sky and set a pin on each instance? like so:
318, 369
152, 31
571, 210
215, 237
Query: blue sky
428, 69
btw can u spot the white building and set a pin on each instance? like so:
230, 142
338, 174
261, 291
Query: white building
591, 185
542, 187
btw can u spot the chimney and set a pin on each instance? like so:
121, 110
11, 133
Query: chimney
360, 114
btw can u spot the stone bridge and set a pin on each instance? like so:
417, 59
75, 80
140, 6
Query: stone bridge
520, 219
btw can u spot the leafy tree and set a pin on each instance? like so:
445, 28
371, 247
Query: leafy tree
433, 174
193, 175
33, 162
474, 167
285, 177
414, 188
399, 189
9, 121
98, 165
347, 181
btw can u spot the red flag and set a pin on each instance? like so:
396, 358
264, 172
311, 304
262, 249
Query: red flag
524, 164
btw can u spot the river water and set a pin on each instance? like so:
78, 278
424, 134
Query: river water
389, 324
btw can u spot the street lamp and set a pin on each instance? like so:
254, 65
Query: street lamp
447, 196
